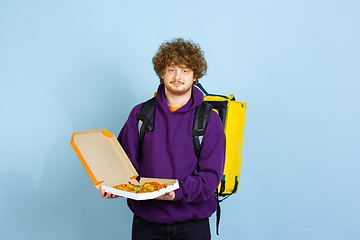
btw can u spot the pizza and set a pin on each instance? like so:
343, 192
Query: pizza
143, 188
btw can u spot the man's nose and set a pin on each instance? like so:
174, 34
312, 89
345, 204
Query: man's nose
177, 74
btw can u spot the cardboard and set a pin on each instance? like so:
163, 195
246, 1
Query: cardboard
108, 165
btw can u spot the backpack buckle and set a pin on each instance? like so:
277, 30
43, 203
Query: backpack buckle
198, 132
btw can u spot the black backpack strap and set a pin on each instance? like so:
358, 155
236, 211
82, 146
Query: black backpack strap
147, 111
218, 213
202, 116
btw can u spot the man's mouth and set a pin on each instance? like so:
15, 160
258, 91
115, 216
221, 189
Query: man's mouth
177, 83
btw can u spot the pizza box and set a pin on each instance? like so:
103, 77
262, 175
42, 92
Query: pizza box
108, 165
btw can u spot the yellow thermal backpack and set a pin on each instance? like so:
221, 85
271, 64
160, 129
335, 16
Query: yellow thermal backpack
232, 114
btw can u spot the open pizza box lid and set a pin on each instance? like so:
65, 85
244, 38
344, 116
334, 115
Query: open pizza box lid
108, 165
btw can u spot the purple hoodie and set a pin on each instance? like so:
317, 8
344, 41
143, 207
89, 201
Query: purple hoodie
168, 152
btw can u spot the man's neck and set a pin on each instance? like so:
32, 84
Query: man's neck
177, 100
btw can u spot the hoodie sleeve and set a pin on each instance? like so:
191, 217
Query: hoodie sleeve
201, 185
129, 138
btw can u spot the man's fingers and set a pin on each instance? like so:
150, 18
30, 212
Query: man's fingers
170, 196
102, 193
108, 195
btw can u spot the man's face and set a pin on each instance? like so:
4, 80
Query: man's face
178, 80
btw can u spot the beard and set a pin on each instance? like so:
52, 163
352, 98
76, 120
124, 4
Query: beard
177, 90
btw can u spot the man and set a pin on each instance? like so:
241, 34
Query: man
168, 152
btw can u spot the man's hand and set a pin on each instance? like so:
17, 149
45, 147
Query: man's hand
170, 196
107, 195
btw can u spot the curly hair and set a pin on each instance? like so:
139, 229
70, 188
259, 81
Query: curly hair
180, 52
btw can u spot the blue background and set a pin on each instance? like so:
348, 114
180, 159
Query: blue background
69, 66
